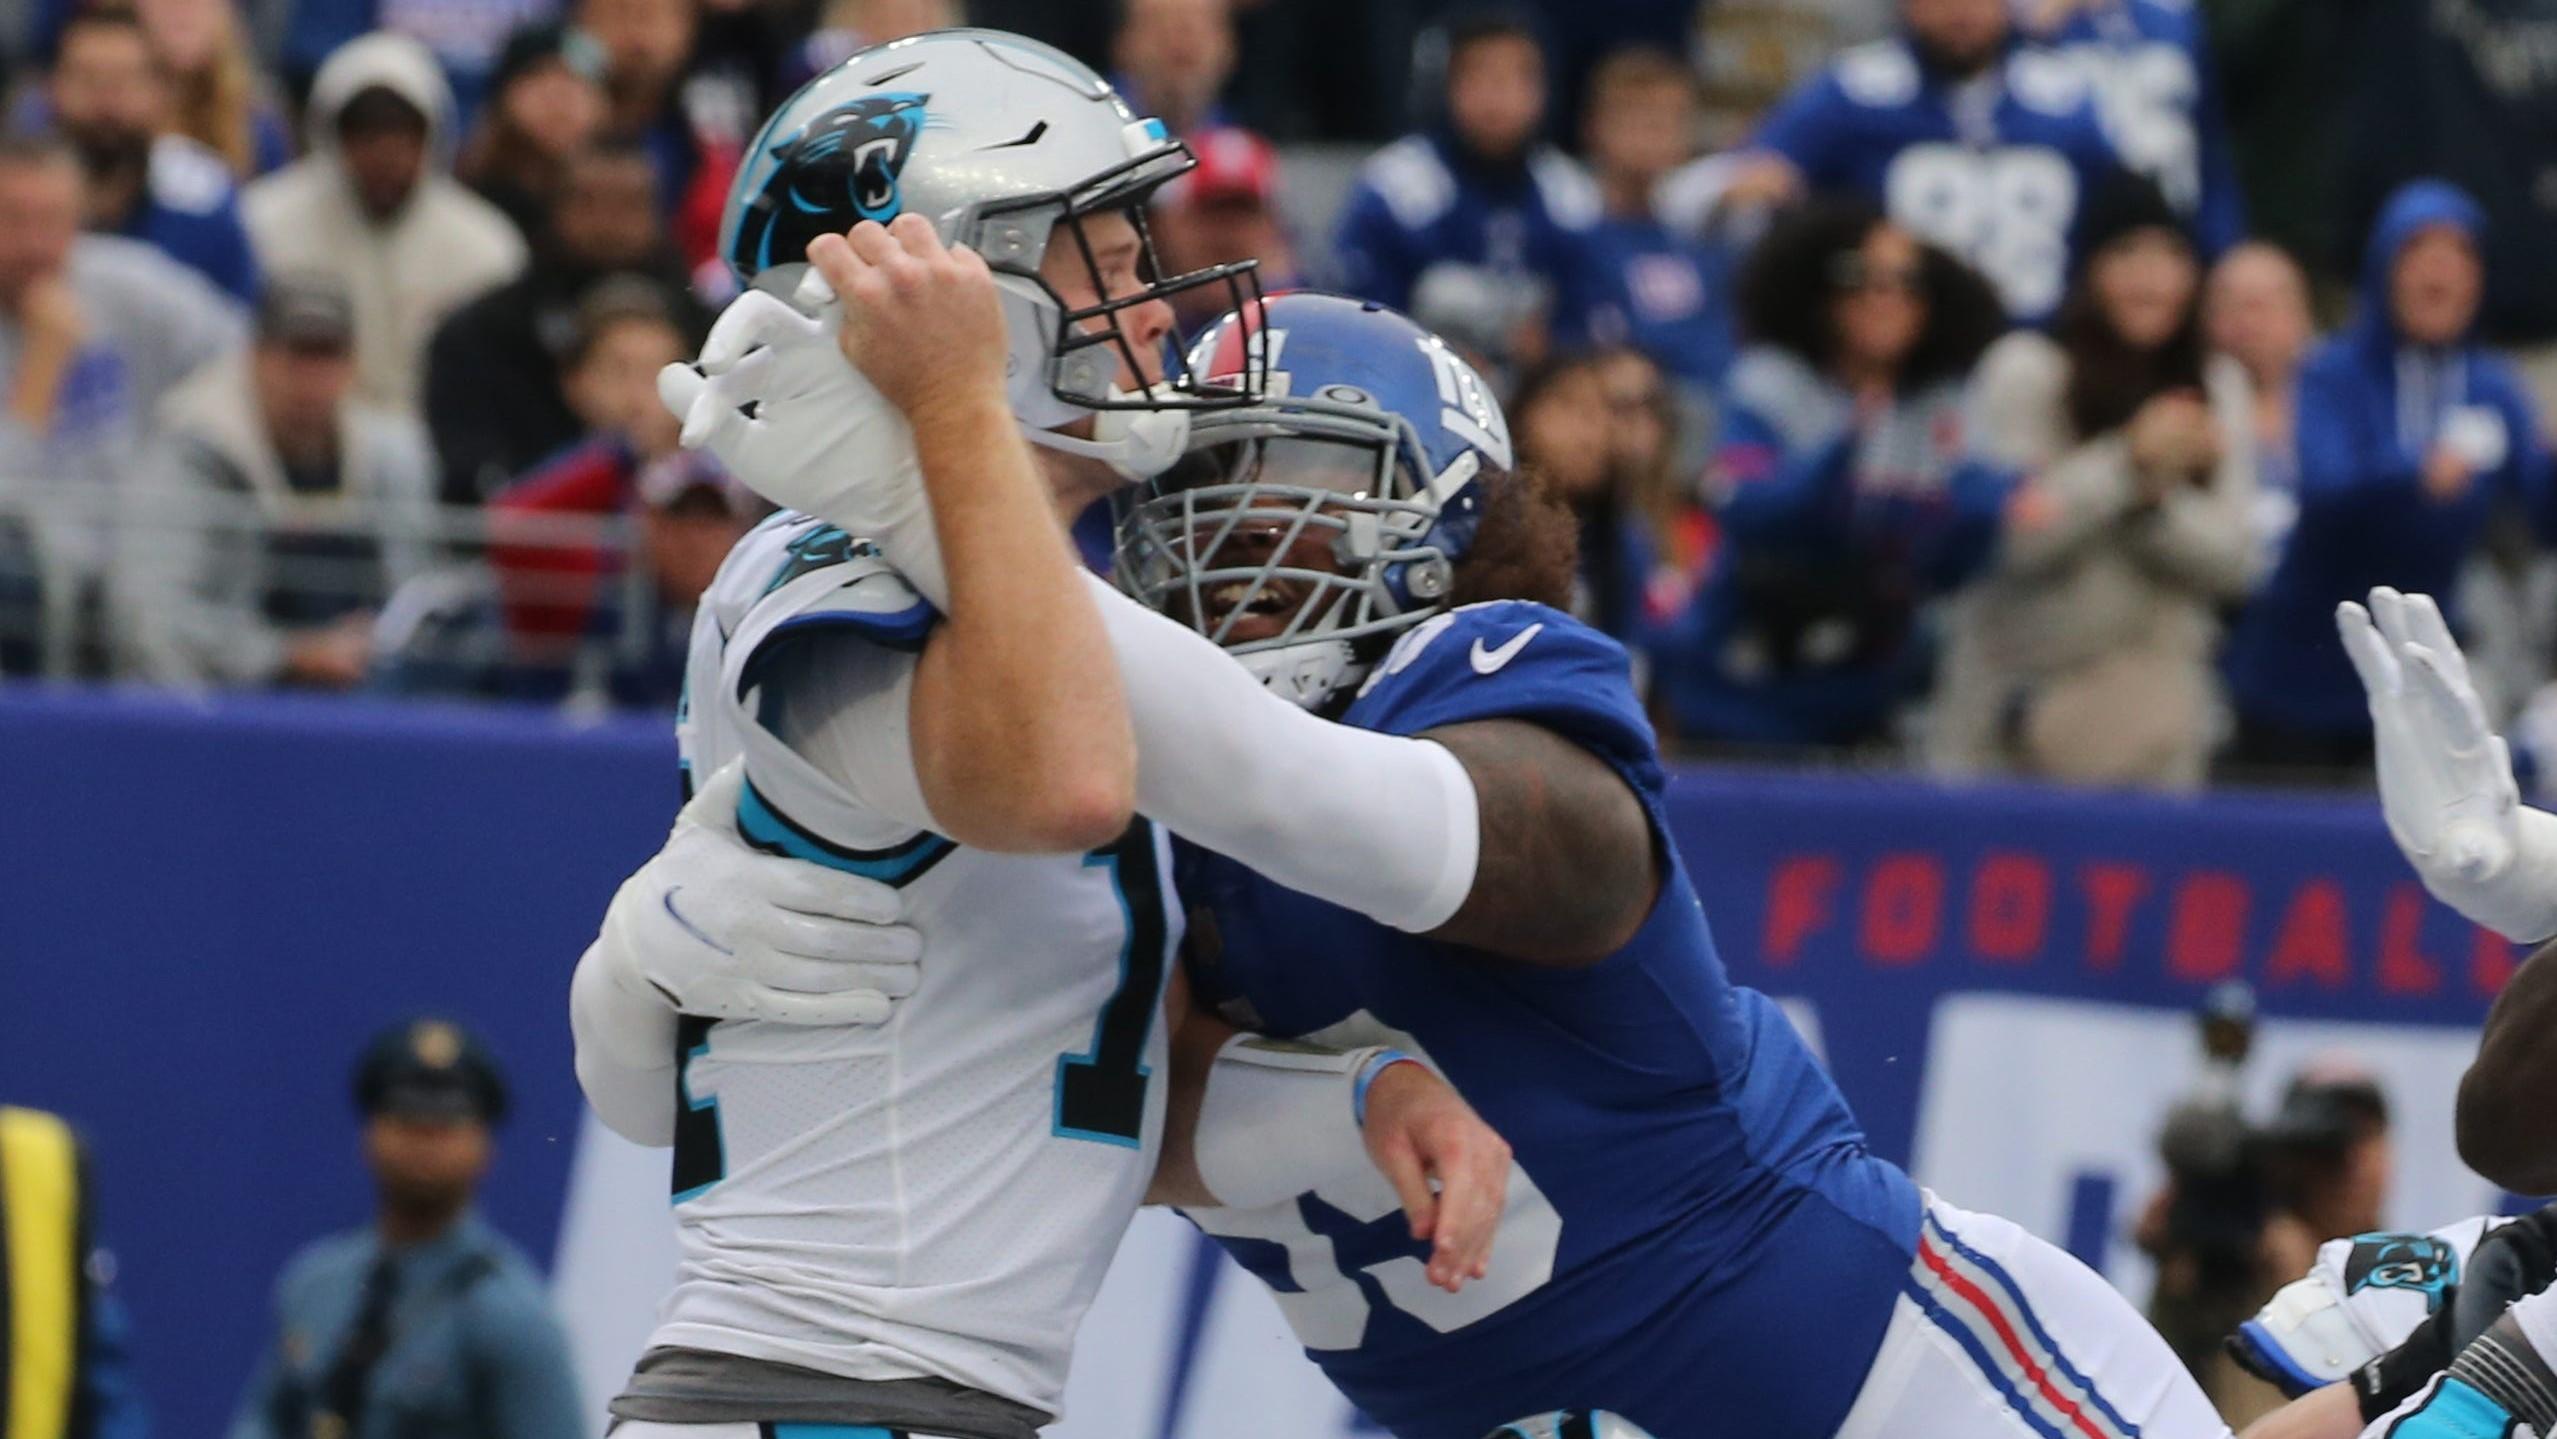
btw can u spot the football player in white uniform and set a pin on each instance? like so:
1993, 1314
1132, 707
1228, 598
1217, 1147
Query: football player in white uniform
895, 1205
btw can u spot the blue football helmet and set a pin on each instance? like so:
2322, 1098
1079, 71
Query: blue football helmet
1005, 144
1306, 527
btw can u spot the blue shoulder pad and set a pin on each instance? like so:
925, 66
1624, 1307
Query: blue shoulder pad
1513, 659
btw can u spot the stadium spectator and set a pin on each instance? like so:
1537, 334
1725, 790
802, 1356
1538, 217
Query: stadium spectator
555, 583
1171, 58
2084, 654
1226, 209
493, 374
2148, 63
2410, 435
2255, 310
648, 47
217, 97
371, 205
425, 1322
846, 26
1475, 224
2328, 1162
1664, 292
1598, 431
1844, 485
545, 104
59, 1287
276, 513
1970, 137
110, 96
2290, 70
93, 331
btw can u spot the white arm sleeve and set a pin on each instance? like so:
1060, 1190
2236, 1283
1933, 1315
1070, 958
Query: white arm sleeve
1381, 824
625, 1053
1281, 1117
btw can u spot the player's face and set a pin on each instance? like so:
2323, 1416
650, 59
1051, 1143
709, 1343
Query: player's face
2435, 287
425, 1163
1880, 308
1961, 35
1496, 93
2144, 284
1116, 269
1269, 529
2257, 309
39, 220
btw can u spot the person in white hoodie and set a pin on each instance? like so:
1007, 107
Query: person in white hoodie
374, 205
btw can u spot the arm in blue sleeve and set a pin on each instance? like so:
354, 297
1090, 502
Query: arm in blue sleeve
2337, 464
1772, 493
1807, 127
228, 260
527, 1384
1968, 533
1372, 250
2530, 471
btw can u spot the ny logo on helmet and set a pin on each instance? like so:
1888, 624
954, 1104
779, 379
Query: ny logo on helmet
838, 169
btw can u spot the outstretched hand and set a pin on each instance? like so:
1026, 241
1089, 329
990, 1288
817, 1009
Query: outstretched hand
1449, 1168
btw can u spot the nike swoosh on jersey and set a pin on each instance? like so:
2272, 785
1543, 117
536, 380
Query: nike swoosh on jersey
1490, 662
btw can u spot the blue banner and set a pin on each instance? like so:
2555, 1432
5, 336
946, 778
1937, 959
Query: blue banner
208, 908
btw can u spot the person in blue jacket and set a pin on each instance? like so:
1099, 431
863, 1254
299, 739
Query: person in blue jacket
1478, 208
1967, 135
1845, 486
2410, 434
2155, 87
108, 95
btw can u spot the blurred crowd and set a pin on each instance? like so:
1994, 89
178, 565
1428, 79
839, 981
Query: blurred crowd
1997, 386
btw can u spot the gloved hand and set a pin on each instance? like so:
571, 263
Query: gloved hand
2445, 778
710, 926
773, 397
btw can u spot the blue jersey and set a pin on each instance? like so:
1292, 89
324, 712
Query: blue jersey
2152, 78
1417, 207
1661, 292
1695, 1229
1993, 169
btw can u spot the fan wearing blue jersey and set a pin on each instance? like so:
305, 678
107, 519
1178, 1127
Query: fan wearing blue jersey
1466, 861
2150, 69
1962, 132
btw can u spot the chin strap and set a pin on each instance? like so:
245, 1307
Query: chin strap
1139, 444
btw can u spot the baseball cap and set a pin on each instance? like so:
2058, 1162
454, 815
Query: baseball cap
1235, 166
429, 1069
306, 310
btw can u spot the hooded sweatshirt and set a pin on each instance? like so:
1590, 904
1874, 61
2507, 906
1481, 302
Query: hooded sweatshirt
442, 247
2372, 407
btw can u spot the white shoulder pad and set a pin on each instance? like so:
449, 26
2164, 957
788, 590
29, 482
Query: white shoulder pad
1414, 183
187, 177
1879, 74
2046, 81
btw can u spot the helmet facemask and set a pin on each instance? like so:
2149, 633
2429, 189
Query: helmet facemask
1300, 535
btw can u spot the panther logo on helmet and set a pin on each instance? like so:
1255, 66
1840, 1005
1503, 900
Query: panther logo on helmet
840, 168
2402, 1261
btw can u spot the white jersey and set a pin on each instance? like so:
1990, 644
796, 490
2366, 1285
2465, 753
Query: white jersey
937, 1197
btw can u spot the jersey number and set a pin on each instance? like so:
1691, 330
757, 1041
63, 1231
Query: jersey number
701, 1155
2007, 211
1101, 1091
1345, 1247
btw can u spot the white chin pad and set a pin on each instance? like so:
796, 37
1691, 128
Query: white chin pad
1139, 444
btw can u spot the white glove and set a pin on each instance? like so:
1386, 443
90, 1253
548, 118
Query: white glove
2446, 778
820, 439
713, 927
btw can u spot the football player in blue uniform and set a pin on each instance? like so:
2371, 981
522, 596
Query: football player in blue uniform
1965, 134
1424, 811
